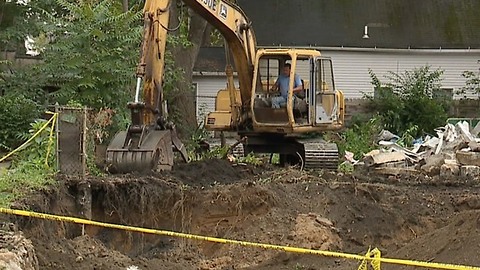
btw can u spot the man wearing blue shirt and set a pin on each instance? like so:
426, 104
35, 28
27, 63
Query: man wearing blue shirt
282, 83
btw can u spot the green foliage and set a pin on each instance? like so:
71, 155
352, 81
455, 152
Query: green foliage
29, 170
360, 138
216, 152
408, 100
275, 158
12, 26
34, 154
251, 158
196, 147
407, 138
472, 84
16, 114
346, 167
91, 56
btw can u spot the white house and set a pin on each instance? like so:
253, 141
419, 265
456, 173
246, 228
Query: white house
381, 35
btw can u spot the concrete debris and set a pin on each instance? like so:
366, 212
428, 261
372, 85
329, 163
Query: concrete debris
16, 251
468, 158
382, 158
470, 171
349, 156
455, 151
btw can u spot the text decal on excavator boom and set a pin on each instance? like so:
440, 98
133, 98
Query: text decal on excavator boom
223, 10
212, 4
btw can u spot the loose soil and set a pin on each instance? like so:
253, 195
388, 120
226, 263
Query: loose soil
409, 217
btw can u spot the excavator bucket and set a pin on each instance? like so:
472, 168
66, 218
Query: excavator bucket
152, 152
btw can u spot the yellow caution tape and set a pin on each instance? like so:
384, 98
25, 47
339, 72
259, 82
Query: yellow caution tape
50, 121
373, 256
375, 262
51, 137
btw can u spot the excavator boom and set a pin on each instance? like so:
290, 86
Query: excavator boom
233, 24
147, 144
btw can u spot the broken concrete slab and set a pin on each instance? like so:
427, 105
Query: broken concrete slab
464, 130
433, 164
383, 158
469, 171
474, 146
468, 158
449, 170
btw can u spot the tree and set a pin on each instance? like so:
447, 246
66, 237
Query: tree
472, 83
125, 5
184, 47
90, 59
93, 51
408, 103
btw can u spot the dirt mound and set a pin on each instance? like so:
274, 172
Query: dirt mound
413, 217
212, 172
456, 243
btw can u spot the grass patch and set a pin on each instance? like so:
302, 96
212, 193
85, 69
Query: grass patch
18, 182
31, 168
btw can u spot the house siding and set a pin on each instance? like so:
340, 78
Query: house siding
207, 88
351, 71
351, 68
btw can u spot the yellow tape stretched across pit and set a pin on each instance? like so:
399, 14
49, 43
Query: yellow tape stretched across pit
372, 258
51, 122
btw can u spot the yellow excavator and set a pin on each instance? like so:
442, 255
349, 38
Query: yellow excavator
247, 109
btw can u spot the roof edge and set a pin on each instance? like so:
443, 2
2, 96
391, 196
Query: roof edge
376, 49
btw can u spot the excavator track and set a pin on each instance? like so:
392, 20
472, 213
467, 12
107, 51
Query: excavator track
309, 154
321, 155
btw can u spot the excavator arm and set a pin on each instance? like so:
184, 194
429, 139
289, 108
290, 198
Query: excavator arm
147, 143
233, 24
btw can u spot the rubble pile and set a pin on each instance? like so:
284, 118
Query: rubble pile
16, 251
455, 151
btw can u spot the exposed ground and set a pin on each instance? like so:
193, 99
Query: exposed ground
412, 217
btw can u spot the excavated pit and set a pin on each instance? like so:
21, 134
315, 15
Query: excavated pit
414, 217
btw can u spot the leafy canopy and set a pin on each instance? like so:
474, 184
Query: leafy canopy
90, 56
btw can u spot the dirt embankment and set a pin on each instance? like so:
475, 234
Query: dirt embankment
413, 217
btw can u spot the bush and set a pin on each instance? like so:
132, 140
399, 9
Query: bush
472, 84
32, 167
16, 114
409, 100
360, 138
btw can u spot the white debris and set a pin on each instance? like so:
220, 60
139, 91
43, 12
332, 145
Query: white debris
454, 147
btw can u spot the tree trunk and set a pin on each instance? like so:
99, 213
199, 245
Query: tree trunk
183, 97
125, 5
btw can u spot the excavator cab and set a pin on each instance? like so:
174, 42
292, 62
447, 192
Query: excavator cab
316, 108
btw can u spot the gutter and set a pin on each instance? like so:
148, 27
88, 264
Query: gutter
375, 49
211, 73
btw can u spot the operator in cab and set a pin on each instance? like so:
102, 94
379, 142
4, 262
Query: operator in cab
282, 83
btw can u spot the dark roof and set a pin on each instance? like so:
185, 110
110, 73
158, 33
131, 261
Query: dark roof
393, 23
211, 59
